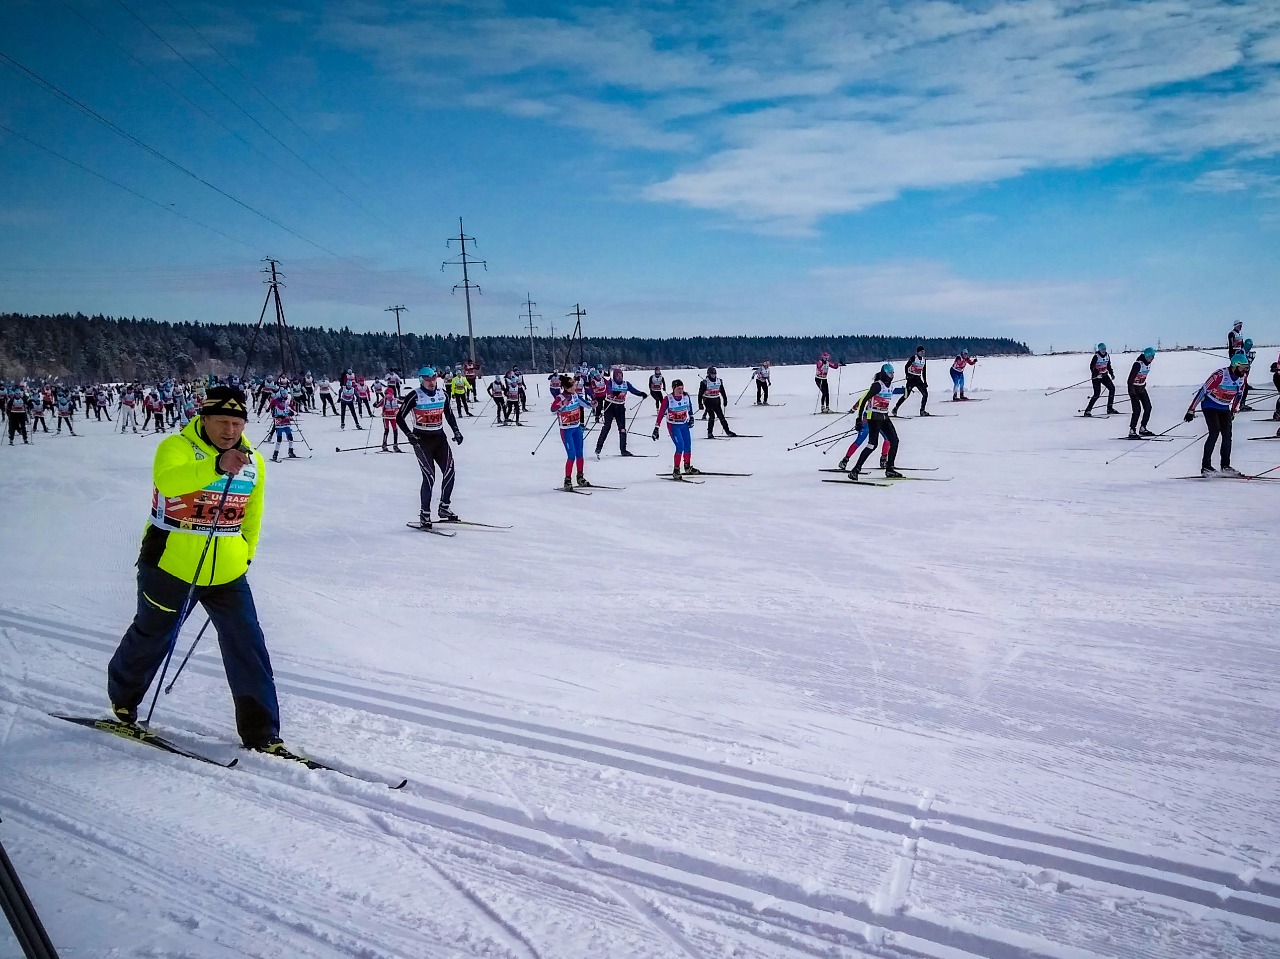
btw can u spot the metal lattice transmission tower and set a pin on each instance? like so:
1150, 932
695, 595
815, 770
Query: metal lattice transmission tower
287, 363
529, 314
465, 261
574, 338
397, 310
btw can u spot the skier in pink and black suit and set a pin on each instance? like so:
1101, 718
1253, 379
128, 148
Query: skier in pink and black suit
823, 367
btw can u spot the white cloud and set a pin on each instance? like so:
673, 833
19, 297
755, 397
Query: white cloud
781, 113
930, 293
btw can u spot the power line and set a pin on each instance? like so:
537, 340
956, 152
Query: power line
90, 112
130, 190
254, 120
154, 73
258, 90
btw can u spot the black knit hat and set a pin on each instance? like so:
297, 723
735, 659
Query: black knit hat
225, 401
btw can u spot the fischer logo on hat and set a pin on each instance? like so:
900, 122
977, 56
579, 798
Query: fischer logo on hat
225, 401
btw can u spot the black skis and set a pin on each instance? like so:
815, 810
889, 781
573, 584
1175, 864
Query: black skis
428, 529
468, 522
681, 479
129, 731
572, 489
138, 734
858, 482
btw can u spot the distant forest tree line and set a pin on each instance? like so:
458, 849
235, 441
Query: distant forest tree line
81, 348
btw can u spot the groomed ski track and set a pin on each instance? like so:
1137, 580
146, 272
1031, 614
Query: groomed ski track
537, 826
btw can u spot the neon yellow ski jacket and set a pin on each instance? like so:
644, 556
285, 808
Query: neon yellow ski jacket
184, 504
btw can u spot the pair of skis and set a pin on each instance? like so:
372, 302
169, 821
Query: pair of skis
584, 491
132, 731
889, 482
696, 482
435, 527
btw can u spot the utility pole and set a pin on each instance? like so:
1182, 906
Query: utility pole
399, 346
551, 351
574, 337
467, 286
529, 305
282, 328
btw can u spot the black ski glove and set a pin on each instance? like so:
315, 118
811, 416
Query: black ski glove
457, 438
1189, 417
655, 432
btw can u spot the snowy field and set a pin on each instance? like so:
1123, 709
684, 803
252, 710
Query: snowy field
1030, 712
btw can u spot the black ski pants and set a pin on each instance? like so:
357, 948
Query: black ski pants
432, 448
99, 410
524, 400
715, 408
824, 391
326, 404
363, 406
38, 422
914, 383
500, 405
1098, 384
879, 425
762, 391
657, 398
1219, 423
348, 405
244, 649
513, 406
460, 404
1141, 403
614, 412
18, 424
69, 419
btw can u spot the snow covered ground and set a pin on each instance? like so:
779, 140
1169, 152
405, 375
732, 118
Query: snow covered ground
1030, 712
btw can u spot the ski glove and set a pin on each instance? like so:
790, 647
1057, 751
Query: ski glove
457, 438
1189, 417
655, 432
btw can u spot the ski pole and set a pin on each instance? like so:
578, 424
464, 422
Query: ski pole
839, 379
1071, 387
1132, 448
182, 665
554, 421
820, 429
185, 609
743, 393
1183, 450
1264, 472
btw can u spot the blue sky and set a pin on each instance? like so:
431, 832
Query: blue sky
1058, 172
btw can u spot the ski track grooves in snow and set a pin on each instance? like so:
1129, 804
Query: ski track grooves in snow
713, 883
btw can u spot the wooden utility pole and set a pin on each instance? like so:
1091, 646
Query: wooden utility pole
282, 328
529, 305
467, 286
399, 346
574, 337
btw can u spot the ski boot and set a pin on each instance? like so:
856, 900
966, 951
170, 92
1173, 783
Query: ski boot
730, 433
1207, 470
627, 453
275, 747
925, 413
854, 474
275, 457
1087, 413
445, 514
1145, 432
1276, 415
1246, 408
424, 519
1113, 412
568, 483
675, 473
395, 448
582, 479
884, 460
128, 715
891, 473
1133, 434
690, 470
384, 448
292, 455
843, 464
1229, 471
